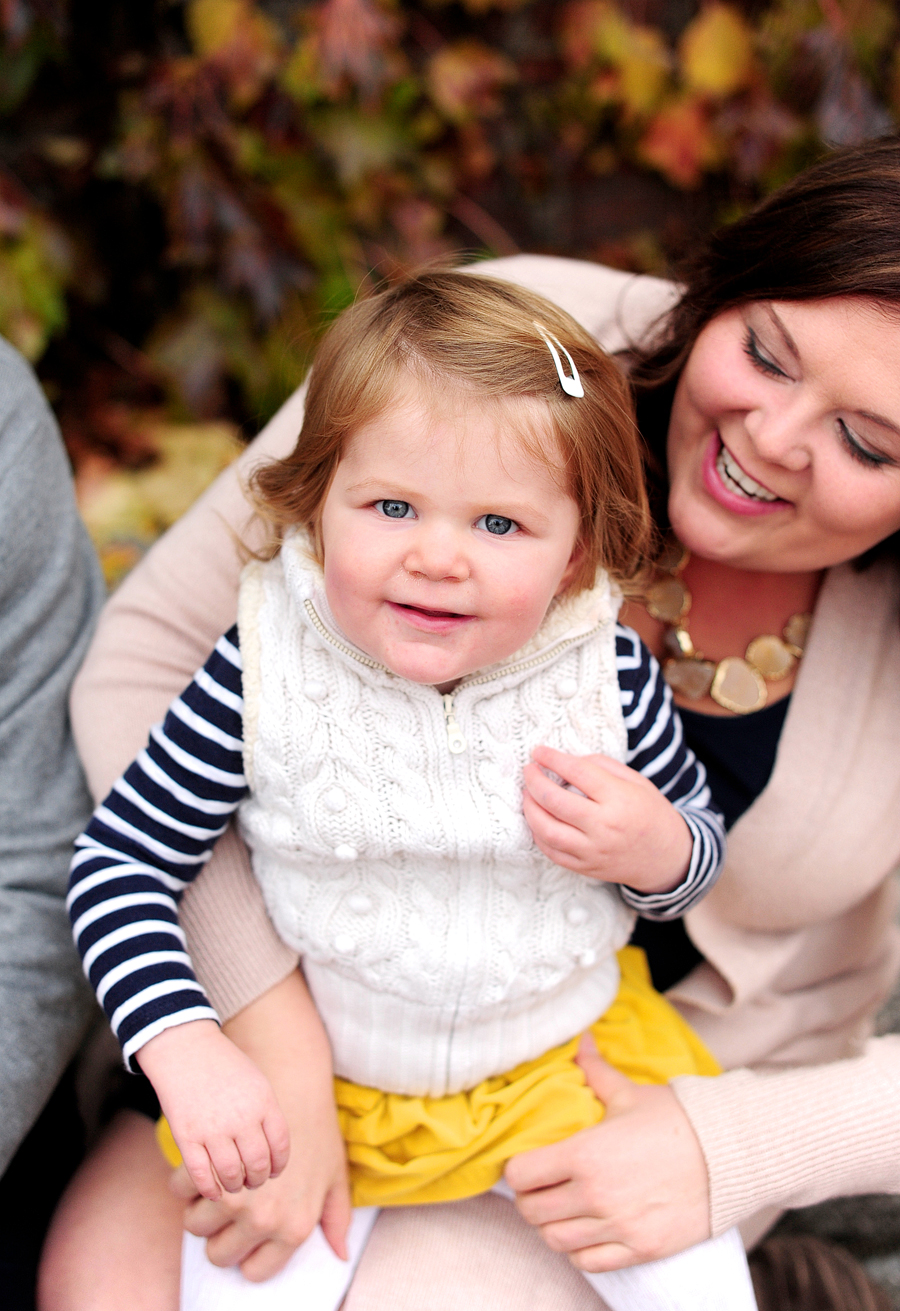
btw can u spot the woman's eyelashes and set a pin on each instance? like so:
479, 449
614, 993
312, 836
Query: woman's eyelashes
854, 448
758, 359
851, 443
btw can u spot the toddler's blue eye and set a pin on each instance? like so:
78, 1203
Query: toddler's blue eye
498, 525
395, 509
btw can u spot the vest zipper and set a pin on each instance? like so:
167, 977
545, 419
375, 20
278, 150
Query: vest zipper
455, 740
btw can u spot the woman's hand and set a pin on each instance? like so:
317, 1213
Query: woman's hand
632, 1189
609, 823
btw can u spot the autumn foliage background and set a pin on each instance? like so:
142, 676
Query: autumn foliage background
189, 190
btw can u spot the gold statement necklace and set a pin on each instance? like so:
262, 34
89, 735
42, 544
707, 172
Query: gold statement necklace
737, 683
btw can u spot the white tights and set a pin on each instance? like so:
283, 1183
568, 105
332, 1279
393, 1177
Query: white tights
713, 1276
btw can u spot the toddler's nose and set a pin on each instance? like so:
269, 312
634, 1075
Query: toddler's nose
437, 554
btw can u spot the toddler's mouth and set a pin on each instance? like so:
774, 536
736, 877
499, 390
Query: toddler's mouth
430, 620
431, 614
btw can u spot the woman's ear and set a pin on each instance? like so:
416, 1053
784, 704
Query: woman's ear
576, 561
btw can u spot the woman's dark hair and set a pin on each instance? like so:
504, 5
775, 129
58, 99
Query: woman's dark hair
834, 230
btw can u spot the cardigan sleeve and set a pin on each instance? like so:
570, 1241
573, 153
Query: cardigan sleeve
794, 1137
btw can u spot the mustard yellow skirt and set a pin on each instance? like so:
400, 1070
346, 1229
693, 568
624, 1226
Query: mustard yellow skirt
404, 1150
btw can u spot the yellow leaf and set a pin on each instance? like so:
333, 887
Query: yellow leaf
597, 30
126, 510
213, 24
644, 70
233, 27
716, 51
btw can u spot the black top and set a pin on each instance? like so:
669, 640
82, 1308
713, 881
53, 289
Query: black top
739, 754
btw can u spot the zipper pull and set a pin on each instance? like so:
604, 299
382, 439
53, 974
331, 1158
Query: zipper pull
455, 740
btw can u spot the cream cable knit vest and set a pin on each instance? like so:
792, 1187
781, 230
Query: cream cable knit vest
387, 833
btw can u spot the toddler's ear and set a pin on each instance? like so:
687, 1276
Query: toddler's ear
576, 560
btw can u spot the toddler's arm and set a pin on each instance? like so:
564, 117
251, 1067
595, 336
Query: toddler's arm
151, 836
647, 825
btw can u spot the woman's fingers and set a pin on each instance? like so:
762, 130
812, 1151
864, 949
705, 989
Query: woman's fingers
182, 1185
604, 1256
609, 1085
575, 1233
336, 1215
266, 1261
205, 1219
278, 1137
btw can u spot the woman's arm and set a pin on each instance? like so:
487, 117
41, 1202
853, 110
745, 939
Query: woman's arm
794, 1137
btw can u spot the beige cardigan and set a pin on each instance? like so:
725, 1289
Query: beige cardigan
798, 935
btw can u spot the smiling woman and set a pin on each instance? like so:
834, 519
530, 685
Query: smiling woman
784, 440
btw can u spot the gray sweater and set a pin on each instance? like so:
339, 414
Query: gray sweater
50, 593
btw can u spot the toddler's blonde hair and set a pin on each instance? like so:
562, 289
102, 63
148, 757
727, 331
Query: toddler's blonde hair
475, 332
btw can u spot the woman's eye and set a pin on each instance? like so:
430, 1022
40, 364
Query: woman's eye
498, 525
855, 449
758, 359
395, 509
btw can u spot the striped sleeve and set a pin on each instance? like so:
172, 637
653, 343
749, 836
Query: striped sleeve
657, 749
146, 842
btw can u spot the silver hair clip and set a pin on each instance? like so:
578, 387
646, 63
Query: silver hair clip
571, 384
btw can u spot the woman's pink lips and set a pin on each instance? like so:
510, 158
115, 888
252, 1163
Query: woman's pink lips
430, 621
725, 497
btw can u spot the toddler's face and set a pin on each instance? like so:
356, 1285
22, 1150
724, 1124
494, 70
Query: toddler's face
444, 541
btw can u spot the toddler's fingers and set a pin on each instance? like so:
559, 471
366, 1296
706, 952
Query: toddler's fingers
227, 1163
256, 1157
278, 1136
336, 1215
200, 1167
588, 773
558, 841
565, 805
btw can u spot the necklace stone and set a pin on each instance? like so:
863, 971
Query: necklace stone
737, 683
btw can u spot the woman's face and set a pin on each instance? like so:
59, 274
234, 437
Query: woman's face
784, 440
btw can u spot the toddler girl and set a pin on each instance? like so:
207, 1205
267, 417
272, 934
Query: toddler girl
458, 777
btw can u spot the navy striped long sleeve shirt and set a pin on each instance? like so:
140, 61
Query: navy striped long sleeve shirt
155, 831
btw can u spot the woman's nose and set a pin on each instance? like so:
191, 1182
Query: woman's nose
780, 435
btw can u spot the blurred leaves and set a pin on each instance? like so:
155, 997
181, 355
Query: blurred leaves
188, 191
126, 510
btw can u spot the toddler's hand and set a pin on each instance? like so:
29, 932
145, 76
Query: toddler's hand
260, 1230
220, 1108
621, 830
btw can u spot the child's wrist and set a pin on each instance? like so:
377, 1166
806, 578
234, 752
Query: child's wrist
174, 1046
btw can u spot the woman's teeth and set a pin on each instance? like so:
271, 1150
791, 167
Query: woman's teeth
737, 481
